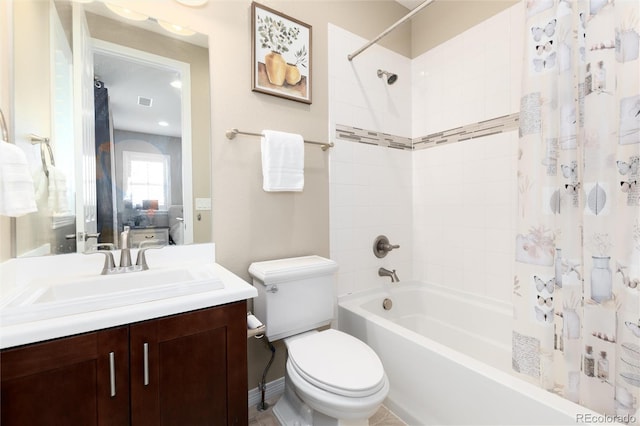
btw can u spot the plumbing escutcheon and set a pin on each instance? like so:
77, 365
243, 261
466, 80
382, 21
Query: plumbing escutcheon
381, 246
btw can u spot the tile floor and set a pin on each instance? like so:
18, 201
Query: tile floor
383, 417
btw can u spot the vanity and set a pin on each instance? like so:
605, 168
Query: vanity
178, 358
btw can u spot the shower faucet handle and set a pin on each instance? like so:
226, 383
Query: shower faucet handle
388, 247
381, 246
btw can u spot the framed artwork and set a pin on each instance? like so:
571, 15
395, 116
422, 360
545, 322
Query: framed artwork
280, 54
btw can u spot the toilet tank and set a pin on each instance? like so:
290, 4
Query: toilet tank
294, 295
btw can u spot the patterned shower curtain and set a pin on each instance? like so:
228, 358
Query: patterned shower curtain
577, 272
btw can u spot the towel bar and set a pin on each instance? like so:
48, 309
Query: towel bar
231, 134
35, 140
4, 131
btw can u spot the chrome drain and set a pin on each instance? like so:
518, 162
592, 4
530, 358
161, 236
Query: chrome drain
387, 304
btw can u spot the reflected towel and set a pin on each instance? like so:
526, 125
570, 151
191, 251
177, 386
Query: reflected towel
17, 196
57, 200
282, 161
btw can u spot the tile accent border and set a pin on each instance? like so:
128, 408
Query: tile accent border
489, 127
370, 137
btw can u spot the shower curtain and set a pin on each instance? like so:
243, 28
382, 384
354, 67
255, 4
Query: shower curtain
576, 288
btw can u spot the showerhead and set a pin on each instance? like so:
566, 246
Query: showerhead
391, 77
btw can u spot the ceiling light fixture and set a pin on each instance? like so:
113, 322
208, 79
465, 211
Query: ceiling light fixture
126, 13
176, 29
163, 123
177, 84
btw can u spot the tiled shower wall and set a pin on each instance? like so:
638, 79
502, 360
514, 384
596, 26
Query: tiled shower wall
451, 207
465, 193
370, 186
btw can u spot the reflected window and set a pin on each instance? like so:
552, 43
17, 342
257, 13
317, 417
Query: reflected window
147, 179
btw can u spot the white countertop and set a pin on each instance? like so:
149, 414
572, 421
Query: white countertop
235, 289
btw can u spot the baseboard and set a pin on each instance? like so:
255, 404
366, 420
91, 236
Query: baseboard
273, 389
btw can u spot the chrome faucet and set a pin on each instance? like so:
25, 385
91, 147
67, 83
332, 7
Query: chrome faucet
125, 253
387, 273
125, 256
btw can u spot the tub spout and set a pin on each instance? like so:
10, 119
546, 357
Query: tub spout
387, 273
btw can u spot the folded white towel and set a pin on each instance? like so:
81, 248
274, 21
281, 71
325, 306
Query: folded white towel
17, 195
282, 161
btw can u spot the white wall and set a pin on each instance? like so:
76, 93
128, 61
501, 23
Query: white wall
451, 207
370, 186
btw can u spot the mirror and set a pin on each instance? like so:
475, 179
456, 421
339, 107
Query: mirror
124, 107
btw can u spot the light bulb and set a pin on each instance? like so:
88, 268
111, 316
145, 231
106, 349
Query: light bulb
126, 13
176, 29
192, 2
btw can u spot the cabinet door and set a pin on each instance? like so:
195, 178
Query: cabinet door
67, 381
190, 369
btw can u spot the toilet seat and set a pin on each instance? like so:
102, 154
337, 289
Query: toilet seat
337, 363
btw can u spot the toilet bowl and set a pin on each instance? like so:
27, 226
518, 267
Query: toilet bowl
331, 378
334, 374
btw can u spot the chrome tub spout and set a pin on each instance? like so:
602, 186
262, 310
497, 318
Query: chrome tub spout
387, 273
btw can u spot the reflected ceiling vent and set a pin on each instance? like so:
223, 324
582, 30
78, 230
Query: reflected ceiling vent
142, 101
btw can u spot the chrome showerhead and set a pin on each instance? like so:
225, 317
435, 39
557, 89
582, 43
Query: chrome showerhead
391, 77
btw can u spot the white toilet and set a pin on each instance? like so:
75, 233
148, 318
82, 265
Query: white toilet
331, 378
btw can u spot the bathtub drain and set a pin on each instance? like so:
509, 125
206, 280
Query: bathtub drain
387, 304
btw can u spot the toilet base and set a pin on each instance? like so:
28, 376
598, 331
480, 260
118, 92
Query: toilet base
290, 410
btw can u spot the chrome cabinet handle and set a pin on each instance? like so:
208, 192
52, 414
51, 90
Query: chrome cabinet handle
112, 373
145, 348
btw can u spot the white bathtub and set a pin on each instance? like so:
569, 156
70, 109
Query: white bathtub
447, 356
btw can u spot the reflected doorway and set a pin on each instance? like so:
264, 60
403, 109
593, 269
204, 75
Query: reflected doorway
143, 145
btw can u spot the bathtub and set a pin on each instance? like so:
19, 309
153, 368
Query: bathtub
448, 358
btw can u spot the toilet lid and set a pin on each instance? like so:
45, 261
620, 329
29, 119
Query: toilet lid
338, 363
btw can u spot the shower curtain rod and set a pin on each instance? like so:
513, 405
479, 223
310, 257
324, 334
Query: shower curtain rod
388, 30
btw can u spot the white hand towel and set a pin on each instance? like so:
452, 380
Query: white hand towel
282, 161
17, 195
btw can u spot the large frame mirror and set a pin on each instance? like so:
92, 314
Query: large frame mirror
114, 116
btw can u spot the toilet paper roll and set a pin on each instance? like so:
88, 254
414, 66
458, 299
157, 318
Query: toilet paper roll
253, 322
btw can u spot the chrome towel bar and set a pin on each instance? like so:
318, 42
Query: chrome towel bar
35, 140
4, 131
231, 134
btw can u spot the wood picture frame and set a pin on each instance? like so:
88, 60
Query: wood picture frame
280, 54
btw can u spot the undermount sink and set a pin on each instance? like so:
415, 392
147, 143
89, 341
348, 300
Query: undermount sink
73, 295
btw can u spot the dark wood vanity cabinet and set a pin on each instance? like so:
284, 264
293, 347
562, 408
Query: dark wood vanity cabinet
186, 369
67, 381
196, 368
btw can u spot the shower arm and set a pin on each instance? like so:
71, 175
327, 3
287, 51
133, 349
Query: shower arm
388, 30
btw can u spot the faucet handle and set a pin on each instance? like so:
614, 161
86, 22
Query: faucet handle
141, 260
381, 246
109, 261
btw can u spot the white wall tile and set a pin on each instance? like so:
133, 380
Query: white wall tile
451, 208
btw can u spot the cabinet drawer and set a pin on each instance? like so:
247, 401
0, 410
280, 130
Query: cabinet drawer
157, 235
